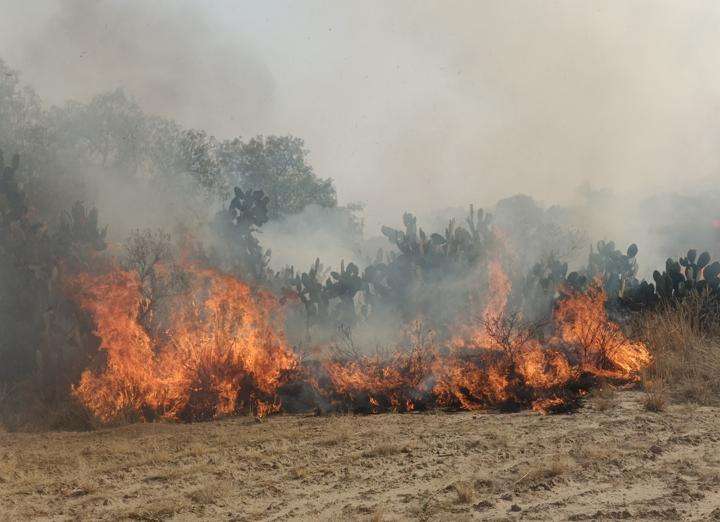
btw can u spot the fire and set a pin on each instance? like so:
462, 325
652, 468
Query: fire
498, 290
220, 354
128, 381
469, 333
600, 343
498, 368
375, 383
221, 350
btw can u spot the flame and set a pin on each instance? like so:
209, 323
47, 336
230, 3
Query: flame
127, 383
499, 287
482, 373
378, 383
469, 333
599, 343
221, 352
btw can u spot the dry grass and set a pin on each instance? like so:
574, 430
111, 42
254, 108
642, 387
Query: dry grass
157, 509
207, 494
429, 466
686, 353
298, 472
465, 492
383, 450
604, 398
548, 468
341, 435
377, 516
656, 394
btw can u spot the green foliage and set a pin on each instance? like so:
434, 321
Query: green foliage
616, 269
541, 287
65, 147
536, 232
12, 199
237, 226
79, 228
421, 279
40, 337
278, 166
312, 293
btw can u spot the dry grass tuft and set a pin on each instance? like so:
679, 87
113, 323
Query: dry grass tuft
336, 439
685, 347
383, 450
604, 399
465, 492
587, 453
549, 468
206, 494
655, 399
377, 516
155, 509
298, 472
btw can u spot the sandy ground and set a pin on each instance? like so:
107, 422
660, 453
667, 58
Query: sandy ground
619, 463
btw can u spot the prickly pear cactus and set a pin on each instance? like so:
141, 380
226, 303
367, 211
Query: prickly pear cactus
12, 199
345, 285
313, 294
617, 270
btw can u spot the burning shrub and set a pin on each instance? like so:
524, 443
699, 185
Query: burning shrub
220, 352
398, 382
179, 340
599, 343
501, 365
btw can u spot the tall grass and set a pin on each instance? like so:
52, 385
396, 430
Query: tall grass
684, 339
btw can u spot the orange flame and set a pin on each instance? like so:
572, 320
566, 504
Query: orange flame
221, 352
470, 333
482, 372
599, 342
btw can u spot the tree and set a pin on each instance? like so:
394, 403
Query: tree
278, 166
109, 131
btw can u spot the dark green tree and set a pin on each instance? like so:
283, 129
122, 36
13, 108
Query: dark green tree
278, 166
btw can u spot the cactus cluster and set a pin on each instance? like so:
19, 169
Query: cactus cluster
617, 270
413, 279
247, 211
312, 293
403, 281
541, 287
80, 226
41, 336
457, 244
12, 199
688, 274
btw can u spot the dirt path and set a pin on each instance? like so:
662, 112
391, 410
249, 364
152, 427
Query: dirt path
621, 463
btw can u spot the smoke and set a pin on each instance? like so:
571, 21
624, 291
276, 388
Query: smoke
421, 106
168, 55
297, 240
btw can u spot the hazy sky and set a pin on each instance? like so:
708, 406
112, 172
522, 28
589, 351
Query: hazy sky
410, 105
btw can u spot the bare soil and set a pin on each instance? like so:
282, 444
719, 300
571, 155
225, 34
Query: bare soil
611, 460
